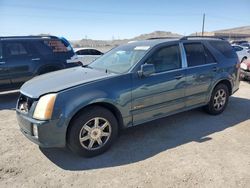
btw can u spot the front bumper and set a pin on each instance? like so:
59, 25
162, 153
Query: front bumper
51, 133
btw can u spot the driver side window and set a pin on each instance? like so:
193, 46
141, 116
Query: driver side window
166, 59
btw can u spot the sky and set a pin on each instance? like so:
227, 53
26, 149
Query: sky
114, 19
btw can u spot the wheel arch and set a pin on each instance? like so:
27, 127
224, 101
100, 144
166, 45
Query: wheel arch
227, 83
224, 81
111, 107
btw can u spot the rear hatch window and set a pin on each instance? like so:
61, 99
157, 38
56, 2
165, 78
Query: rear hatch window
224, 48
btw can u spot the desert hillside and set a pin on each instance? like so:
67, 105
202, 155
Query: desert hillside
111, 43
107, 43
240, 30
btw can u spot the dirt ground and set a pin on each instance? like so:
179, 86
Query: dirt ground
190, 149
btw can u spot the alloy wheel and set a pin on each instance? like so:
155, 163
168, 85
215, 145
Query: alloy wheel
95, 133
220, 98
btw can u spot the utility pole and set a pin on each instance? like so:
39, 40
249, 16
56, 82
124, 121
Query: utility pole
203, 24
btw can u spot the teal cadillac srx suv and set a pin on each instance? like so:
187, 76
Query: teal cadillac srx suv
84, 108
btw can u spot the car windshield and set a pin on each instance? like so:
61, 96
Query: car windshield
120, 59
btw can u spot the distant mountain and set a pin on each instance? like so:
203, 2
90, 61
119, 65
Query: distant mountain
157, 34
240, 30
103, 43
236, 30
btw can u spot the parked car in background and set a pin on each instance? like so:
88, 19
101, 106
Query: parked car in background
24, 57
242, 52
85, 56
84, 108
245, 69
239, 42
247, 45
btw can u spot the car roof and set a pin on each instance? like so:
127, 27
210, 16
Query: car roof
156, 41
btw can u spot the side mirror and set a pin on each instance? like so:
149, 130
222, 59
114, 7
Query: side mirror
146, 70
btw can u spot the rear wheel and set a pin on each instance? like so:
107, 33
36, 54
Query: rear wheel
219, 100
92, 131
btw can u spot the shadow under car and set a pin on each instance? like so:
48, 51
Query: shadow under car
142, 142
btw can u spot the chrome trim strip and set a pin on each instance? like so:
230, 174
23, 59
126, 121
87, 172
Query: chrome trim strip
183, 56
202, 65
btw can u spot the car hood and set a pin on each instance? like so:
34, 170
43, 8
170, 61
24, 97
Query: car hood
60, 80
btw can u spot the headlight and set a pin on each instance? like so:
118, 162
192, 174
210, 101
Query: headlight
243, 66
44, 107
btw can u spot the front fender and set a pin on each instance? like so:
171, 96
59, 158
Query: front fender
116, 94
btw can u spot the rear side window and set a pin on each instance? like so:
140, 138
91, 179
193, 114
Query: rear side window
83, 52
42, 48
56, 45
50, 46
223, 47
197, 54
15, 49
95, 52
166, 58
209, 57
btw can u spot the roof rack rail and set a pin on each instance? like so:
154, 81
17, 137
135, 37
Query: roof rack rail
205, 37
27, 37
153, 38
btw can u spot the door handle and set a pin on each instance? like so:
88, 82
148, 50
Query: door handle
2, 62
178, 77
35, 59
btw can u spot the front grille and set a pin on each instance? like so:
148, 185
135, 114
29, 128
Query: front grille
24, 103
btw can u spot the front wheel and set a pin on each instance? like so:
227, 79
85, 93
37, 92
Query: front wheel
218, 100
92, 131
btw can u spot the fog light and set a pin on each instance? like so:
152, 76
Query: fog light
35, 131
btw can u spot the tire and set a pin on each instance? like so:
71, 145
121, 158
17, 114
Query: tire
95, 126
218, 101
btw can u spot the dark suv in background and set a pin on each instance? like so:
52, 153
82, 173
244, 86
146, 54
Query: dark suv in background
22, 58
